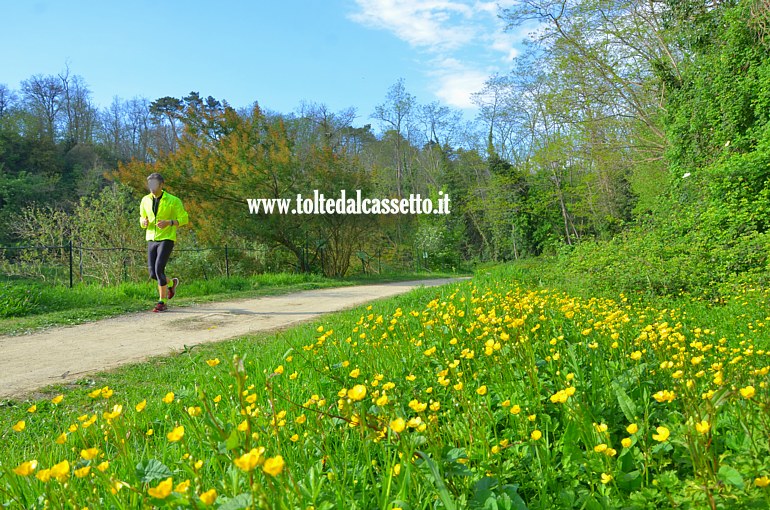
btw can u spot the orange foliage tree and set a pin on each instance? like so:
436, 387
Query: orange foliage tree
222, 158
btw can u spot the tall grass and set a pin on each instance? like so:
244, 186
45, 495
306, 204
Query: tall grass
29, 304
485, 394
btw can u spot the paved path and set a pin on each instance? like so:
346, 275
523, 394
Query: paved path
65, 354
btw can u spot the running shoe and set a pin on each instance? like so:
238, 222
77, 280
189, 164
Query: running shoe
172, 288
160, 307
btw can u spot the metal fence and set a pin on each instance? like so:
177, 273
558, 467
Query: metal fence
71, 262
49, 261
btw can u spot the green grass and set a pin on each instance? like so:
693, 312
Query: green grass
28, 305
512, 395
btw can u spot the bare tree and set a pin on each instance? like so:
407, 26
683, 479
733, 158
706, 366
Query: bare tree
396, 115
80, 114
43, 96
8, 99
322, 127
138, 128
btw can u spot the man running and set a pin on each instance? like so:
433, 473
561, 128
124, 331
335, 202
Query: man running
160, 214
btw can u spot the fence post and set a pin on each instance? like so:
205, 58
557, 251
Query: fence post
70, 246
227, 263
125, 264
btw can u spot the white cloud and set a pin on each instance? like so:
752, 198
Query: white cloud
431, 24
455, 82
493, 7
464, 41
504, 43
456, 89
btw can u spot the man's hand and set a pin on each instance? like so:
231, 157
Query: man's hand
144, 222
164, 223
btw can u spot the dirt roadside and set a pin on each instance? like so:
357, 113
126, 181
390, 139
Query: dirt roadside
65, 354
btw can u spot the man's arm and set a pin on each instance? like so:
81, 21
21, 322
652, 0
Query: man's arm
181, 215
142, 215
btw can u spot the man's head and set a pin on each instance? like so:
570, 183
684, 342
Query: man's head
154, 182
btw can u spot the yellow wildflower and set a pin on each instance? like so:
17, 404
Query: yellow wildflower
703, 427
357, 392
82, 472
61, 470
250, 460
25, 468
397, 425
748, 391
662, 434
273, 466
162, 490
90, 453
176, 434
208, 497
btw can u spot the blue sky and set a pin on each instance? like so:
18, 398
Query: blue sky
341, 53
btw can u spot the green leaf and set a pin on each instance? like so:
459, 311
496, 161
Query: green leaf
456, 453
233, 441
626, 404
516, 501
730, 475
570, 441
239, 502
152, 470
443, 492
490, 503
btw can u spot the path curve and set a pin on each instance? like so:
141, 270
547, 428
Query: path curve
65, 354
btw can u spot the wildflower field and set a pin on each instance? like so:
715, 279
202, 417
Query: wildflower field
480, 394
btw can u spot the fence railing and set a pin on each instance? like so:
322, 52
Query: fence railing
71, 256
87, 263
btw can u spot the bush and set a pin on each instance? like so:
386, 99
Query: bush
17, 302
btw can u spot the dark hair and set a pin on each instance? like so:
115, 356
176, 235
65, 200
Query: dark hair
155, 175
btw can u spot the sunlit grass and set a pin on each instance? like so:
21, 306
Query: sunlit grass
472, 394
26, 305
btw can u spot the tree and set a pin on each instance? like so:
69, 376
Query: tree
80, 115
165, 113
8, 99
396, 115
43, 96
239, 157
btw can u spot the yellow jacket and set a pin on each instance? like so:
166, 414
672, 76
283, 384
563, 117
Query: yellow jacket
169, 208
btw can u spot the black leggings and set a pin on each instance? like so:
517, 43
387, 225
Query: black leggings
158, 253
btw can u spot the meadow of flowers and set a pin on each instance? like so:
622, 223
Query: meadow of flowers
480, 394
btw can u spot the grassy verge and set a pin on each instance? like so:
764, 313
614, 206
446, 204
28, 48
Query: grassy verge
483, 394
29, 305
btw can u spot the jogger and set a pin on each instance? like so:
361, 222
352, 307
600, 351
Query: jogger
160, 213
